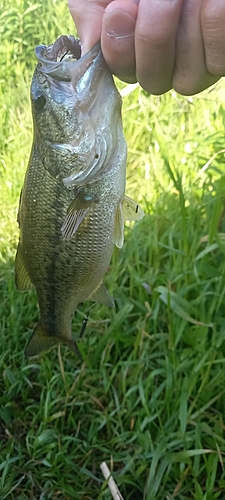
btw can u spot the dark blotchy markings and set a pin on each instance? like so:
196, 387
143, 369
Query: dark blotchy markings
59, 125
51, 268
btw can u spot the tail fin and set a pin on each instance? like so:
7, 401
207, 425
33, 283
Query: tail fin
40, 340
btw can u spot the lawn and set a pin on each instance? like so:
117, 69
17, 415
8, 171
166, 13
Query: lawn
148, 398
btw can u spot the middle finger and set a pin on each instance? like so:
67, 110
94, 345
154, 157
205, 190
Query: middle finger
155, 36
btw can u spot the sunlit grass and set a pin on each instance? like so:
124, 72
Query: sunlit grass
149, 395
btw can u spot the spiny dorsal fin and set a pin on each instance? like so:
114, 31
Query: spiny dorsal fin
101, 296
22, 278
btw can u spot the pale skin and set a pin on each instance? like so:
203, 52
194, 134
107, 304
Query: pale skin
162, 44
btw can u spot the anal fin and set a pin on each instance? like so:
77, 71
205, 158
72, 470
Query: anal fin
101, 295
22, 278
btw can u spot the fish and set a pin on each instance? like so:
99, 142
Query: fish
73, 205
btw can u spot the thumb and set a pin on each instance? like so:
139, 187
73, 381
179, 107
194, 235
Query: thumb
87, 17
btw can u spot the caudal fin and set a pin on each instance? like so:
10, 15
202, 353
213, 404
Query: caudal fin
40, 341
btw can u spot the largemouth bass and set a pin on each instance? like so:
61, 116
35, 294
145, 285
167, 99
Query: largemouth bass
73, 204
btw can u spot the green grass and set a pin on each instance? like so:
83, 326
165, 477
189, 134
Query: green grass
149, 396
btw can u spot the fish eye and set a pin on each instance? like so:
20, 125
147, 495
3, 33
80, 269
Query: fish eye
39, 103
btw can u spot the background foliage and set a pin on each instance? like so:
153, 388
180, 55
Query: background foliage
149, 396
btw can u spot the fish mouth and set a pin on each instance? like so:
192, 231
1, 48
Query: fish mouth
76, 89
62, 60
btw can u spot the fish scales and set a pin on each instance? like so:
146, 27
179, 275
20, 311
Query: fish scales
73, 203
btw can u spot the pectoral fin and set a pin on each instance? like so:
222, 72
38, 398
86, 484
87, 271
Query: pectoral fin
132, 210
72, 222
118, 238
22, 278
101, 296
40, 341
127, 210
76, 213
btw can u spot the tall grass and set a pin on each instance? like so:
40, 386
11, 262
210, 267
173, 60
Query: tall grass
149, 395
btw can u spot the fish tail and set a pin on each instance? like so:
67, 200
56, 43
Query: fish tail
40, 341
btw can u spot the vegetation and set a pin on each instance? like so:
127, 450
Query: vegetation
149, 396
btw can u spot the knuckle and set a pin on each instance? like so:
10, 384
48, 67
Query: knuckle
214, 41
152, 38
213, 20
211, 17
154, 87
213, 31
184, 85
214, 65
189, 85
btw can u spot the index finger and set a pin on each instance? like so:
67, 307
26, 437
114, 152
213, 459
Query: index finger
155, 39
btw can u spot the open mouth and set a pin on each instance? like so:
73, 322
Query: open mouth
58, 59
56, 52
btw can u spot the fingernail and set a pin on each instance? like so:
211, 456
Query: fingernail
118, 35
119, 25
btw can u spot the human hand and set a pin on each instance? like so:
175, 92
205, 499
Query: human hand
162, 44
